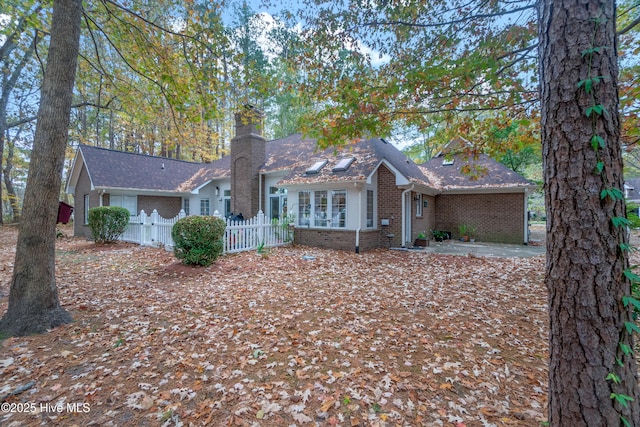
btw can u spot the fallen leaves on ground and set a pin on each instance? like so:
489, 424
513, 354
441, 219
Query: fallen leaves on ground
301, 337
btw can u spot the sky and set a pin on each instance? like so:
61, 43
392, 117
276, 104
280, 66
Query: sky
4, 19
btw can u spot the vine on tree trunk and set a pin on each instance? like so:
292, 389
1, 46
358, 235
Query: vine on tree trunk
595, 111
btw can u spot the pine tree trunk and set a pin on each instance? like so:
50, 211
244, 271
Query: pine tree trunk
33, 298
585, 261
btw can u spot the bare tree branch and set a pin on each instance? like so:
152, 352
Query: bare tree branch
630, 26
30, 119
443, 23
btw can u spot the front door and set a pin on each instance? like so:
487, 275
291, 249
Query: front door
277, 203
407, 219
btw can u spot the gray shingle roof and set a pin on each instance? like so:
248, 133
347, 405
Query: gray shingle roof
367, 156
472, 172
293, 155
118, 169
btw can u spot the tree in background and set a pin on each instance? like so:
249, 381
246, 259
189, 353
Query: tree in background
629, 84
419, 64
19, 38
33, 299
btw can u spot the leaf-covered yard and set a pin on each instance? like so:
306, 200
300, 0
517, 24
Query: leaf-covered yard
301, 337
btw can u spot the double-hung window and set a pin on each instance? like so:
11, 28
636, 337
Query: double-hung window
304, 208
369, 208
227, 203
339, 208
86, 209
320, 207
205, 207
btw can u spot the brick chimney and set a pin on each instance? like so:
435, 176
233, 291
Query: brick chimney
247, 156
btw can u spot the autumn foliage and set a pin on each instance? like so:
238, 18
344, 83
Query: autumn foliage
198, 239
304, 337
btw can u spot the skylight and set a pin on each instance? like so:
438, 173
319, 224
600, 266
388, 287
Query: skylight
343, 164
447, 162
315, 169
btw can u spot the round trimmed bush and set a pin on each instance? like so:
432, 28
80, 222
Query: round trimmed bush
198, 239
107, 223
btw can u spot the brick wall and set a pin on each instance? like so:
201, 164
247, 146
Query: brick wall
336, 239
389, 207
83, 188
167, 207
426, 222
247, 155
496, 217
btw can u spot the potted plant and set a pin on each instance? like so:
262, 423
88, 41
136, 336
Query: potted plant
421, 240
439, 235
471, 230
463, 231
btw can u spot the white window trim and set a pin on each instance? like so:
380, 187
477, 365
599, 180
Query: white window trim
87, 200
186, 205
330, 214
373, 209
208, 206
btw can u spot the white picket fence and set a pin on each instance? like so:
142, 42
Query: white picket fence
257, 232
251, 234
151, 230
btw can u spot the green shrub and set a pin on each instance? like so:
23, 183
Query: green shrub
634, 220
198, 239
632, 215
107, 223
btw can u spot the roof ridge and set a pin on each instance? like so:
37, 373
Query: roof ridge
112, 150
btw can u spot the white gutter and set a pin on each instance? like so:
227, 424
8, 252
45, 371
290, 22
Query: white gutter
404, 214
526, 217
359, 220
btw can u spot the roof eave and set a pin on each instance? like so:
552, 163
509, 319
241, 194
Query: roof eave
143, 191
400, 178
419, 187
295, 185
486, 190
74, 173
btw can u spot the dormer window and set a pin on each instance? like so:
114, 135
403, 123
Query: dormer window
315, 169
343, 164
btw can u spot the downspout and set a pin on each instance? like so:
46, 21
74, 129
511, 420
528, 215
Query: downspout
526, 216
359, 220
404, 214
260, 192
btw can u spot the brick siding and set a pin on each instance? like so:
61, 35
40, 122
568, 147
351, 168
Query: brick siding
336, 239
426, 222
247, 156
389, 207
167, 207
83, 188
496, 217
